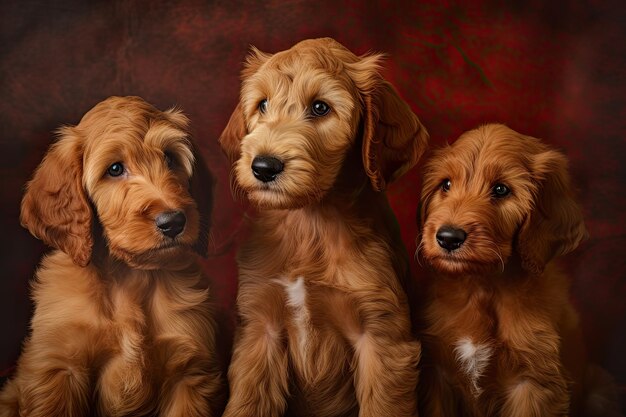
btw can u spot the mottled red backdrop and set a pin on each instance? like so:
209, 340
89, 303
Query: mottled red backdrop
554, 71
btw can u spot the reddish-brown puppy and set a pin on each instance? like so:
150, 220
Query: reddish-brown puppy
324, 321
122, 323
497, 206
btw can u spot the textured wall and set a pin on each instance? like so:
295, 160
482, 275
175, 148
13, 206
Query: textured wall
556, 72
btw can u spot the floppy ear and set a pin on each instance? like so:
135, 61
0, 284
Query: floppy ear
428, 189
235, 130
555, 226
201, 186
55, 207
420, 215
393, 137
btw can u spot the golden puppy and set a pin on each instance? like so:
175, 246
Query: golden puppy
324, 321
496, 208
122, 323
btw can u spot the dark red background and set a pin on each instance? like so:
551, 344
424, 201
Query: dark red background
555, 71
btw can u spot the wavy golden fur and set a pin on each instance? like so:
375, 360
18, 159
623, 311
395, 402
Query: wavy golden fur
497, 207
324, 322
122, 323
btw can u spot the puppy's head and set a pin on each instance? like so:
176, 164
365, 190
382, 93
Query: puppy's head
492, 193
300, 112
129, 169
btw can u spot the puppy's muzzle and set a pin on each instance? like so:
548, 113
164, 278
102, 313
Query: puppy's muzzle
266, 168
450, 238
171, 223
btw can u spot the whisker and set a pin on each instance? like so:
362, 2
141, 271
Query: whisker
497, 252
417, 253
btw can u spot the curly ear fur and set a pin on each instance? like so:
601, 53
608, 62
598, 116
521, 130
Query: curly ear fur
235, 130
201, 187
428, 190
555, 227
420, 214
393, 137
55, 207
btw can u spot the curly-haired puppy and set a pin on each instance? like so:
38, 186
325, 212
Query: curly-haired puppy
496, 208
122, 323
324, 321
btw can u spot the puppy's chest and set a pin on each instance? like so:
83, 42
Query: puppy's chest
317, 347
146, 314
475, 340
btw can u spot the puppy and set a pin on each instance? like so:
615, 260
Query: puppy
122, 323
496, 207
324, 322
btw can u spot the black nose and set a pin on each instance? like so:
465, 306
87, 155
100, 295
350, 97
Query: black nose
171, 223
450, 238
266, 168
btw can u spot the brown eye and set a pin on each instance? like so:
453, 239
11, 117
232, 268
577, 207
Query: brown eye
445, 185
319, 108
500, 191
263, 106
116, 169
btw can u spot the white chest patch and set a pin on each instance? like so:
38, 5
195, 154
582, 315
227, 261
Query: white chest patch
296, 300
296, 293
473, 359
